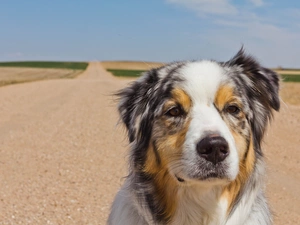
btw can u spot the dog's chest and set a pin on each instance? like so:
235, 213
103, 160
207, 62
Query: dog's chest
196, 210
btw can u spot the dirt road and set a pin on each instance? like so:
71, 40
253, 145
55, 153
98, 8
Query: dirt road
62, 156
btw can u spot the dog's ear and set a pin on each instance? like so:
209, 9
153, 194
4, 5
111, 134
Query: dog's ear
134, 103
261, 86
264, 82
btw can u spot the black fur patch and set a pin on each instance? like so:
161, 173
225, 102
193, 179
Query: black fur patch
259, 87
140, 103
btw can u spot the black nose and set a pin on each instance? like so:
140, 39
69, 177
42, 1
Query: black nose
213, 149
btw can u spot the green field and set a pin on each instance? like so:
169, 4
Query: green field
21, 72
126, 73
41, 64
290, 78
137, 73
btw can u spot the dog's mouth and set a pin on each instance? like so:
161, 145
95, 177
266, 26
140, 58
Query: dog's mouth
202, 177
179, 179
211, 176
202, 174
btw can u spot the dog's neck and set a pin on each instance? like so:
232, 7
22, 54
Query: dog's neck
200, 205
175, 203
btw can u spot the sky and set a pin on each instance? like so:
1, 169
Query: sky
150, 30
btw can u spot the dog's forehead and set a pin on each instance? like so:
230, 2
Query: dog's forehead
201, 80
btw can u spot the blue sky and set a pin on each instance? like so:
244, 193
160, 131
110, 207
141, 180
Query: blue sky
156, 30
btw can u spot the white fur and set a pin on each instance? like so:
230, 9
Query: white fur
200, 205
201, 82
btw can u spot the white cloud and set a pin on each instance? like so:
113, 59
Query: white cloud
207, 7
272, 37
272, 45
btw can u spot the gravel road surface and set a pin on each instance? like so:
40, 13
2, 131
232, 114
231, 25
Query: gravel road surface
62, 155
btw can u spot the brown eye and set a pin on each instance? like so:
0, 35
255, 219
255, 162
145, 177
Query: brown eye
233, 109
174, 112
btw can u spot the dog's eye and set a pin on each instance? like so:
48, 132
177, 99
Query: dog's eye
174, 112
233, 109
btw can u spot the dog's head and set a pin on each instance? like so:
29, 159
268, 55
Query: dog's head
200, 121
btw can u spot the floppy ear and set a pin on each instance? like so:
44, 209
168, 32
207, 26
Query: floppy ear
134, 102
261, 85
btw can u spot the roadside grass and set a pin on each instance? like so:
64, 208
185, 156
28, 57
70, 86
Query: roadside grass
290, 78
42, 64
126, 73
22, 72
130, 65
137, 73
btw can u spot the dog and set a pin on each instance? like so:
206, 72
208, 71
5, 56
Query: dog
195, 130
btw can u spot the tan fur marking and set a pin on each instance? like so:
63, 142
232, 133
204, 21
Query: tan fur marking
224, 95
166, 191
165, 185
151, 165
240, 143
182, 98
169, 149
246, 167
